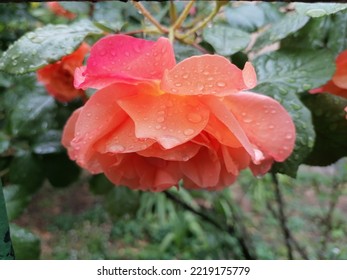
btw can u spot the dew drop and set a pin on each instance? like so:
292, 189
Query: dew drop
289, 136
178, 84
271, 126
200, 87
194, 117
188, 131
247, 120
185, 76
221, 84
116, 148
206, 73
210, 79
273, 111
160, 119
158, 126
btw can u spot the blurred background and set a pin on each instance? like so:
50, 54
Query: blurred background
58, 211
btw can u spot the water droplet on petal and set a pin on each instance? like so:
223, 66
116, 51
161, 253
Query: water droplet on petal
194, 117
201, 87
160, 119
271, 126
188, 131
178, 84
158, 126
273, 111
221, 84
185, 76
116, 148
289, 136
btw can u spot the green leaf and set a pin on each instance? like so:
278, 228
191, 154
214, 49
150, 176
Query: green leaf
301, 116
16, 201
110, 14
26, 171
184, 51
59, 169
33, 115
319, 9
99, 184
337, 40
4, 142
282, 75
312, 36
121, 201
331, 128
295, 70
249, 17
289, 24
45, 45
76, 7
6, 249
26, 244
225, 39
48, 143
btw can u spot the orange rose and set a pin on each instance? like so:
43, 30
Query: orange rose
338, 83
153, 122
57, 9
58, 77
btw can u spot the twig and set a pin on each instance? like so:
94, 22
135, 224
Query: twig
229, 228
148, 15
282, 217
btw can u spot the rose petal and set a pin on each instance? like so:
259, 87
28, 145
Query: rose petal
203, 169
340, 76
122, 58
171, 120
221, 112
207, 74
182, 152
266, 123
123, 140
99, 116
141, 173
69, 130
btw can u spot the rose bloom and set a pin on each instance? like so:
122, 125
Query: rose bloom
153, 123
58, 77
57, 9
338, 83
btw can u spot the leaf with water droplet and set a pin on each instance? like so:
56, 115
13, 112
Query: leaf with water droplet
319, 9
33, 115
291, 70
225, 39
289, 24
45, 45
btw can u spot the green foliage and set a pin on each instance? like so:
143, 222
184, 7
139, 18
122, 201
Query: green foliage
331, 128
26, 244
319, 9
289, 24
45, 45
225, 39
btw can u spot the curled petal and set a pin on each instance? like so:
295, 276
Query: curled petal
266, 123
98, 117
122, 58
222, 113
207, 75
203, 169
182, 152
170, 120
141, 173
123, 140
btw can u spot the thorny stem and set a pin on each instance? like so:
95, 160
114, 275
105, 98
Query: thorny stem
229, 228
148, 15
